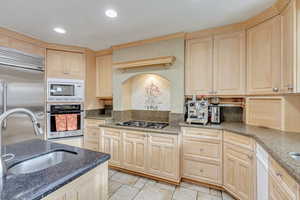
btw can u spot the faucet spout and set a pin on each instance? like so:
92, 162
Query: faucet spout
36, 126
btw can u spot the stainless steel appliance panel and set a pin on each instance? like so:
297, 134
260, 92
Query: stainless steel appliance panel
25, 89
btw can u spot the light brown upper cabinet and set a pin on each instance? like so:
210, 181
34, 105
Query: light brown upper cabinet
104, 76
229, 63
288, 66
199, 66
215, 65
264, 57
68, 65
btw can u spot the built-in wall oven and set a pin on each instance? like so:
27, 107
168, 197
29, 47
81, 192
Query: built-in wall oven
65, 120
65, 90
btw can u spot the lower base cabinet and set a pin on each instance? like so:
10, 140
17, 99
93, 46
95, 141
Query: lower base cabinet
152, 154
75, 141
163, 156
91, 186
239, 172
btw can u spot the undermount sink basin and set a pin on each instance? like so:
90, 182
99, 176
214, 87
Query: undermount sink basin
295, 155
41, 162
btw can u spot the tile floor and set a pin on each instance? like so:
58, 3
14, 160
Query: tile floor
124, 186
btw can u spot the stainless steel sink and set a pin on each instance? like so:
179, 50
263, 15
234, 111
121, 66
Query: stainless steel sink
295, 155
41, 162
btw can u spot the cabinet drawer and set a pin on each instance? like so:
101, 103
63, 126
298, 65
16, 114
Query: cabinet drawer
202, 133
201, 171
93, 122
111, 132
133, 135
91, 144
163, 139
240, 140
283, 176
92, 133
277, 191
204, 149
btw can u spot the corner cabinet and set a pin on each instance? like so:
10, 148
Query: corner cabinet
199, 66
239, 166
215, 65
104, 76
66, 65
264, 57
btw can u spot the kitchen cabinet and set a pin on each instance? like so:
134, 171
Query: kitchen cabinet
215, 65
92, 134
73, 141
264, 57
135, 150
66, 65
281, 185
288, 66
202, 158
104, 76
199, 66
163, 156
239, 166
26, 47
229, 63
111, 143
152, 154
91, 186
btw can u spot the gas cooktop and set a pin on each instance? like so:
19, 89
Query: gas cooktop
144, 124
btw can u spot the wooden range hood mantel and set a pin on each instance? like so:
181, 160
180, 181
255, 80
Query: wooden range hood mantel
158, 61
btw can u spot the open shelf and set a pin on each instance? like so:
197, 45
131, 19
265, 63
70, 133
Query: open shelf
159, 61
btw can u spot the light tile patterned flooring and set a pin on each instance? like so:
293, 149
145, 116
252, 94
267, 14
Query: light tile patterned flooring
124, 186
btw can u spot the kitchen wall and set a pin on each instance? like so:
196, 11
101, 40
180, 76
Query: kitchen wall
174, 74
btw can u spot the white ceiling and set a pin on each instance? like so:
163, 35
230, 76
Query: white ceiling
87, 25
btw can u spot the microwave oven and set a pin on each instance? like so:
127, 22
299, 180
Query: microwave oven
65, 90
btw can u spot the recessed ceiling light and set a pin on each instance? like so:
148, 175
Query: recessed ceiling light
111, 13
60, 30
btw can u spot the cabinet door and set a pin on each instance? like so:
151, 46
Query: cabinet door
104, 76
67, 65
276, 191
134, 150
264, 57
91, 138
229, 63
163, 156
74, 65
288, 68
199, 68
238, 172
55, 64
111, 143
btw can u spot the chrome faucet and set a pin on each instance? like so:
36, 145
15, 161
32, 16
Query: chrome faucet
36, 126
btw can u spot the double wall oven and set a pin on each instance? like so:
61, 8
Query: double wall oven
65, 111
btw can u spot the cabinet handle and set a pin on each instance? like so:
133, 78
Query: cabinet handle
275, 89
250, 157
278, 174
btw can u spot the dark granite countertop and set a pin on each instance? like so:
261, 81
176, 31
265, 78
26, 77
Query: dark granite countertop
277, 143
36, 185
173, 130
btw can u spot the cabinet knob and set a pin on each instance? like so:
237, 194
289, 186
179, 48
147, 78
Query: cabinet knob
275, 89
201, 170
201, 150
289, 87
250, 157
278, 174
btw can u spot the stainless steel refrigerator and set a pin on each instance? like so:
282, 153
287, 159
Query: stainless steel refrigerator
21, 86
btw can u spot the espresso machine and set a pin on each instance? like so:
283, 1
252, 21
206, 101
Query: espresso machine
197, 111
